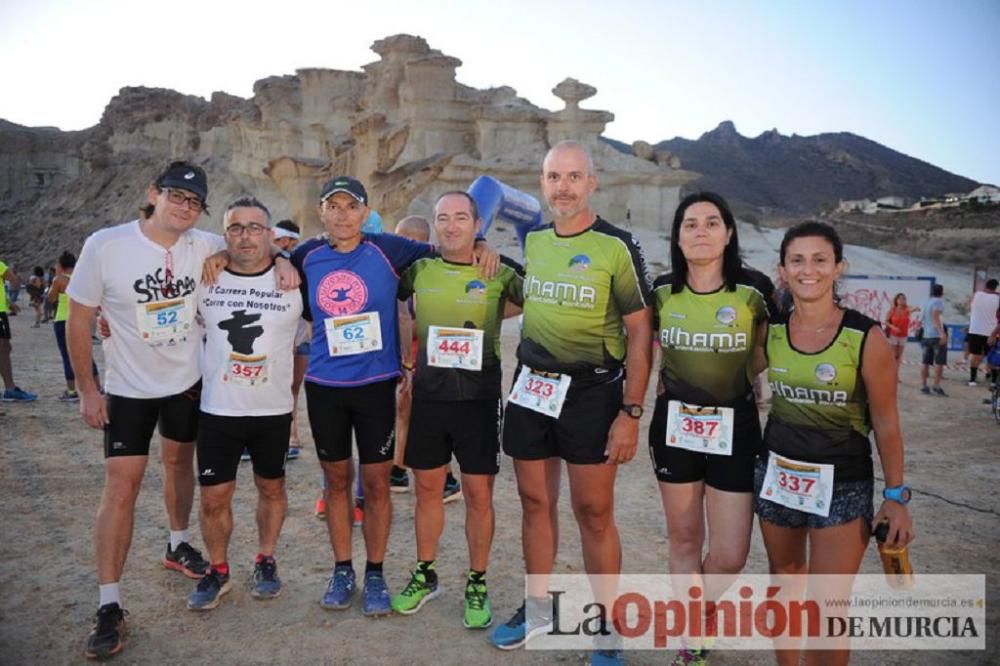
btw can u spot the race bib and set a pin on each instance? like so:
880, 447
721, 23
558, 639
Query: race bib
543, 392
164, 320
353, 334
246, 370
455, 348
798, 485
700, 429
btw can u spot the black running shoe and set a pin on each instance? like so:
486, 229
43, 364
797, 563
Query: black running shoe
108, 637
187, 559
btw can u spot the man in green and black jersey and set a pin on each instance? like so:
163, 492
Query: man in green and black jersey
587, 319
456, 397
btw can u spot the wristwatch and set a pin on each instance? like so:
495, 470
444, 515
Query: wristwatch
284, 254
635, 411
900, 494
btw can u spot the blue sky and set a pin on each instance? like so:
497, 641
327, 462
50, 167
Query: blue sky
920, 76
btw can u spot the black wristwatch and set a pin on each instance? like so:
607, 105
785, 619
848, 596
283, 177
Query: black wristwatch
635, 411
284, 254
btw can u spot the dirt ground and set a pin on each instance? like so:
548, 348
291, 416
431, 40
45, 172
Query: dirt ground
50, 484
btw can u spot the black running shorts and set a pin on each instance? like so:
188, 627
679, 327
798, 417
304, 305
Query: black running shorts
221, 440
977, 344
4, 324
730, 473
579, 435
132, 421
369, 411
469, 428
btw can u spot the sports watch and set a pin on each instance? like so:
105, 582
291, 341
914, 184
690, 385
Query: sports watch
900, 494
635, 411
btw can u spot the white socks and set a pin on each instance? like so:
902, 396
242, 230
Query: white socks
177, 537
109, 594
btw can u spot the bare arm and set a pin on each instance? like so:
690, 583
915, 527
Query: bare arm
878, 371
511, 309
58, 287
78, 341
936, 318
758, 363
623, 437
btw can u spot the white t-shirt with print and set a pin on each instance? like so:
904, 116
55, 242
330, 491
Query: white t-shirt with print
148, 295
250, 329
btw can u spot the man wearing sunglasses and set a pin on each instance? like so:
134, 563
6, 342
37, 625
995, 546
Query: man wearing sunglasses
246, 400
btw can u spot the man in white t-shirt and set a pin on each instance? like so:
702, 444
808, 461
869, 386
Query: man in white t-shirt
143, 275
246, 399
982, 324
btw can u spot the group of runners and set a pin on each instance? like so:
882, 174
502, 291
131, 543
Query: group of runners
202, 333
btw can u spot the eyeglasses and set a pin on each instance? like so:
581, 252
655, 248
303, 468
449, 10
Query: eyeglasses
179, 198
236, 230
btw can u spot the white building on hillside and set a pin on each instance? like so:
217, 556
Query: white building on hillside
986, 194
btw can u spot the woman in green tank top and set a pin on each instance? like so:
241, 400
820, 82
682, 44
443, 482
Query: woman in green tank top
833, 378
58, 296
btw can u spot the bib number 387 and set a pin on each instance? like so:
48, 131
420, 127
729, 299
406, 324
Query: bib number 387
700, 429
544, 393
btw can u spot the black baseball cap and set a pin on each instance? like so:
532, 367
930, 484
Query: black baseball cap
344, 184
184, 176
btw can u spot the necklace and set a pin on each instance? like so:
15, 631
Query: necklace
822, 328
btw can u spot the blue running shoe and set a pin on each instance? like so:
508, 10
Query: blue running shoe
339, 589
266, 584
452, 489
376, 595
17, 395
533, 618
607, 658
209, 592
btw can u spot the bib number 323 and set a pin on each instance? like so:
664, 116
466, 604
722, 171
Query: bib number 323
543, 392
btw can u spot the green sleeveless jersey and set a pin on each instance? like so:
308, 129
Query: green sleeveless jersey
62, 302
455, 295
819, 408
576, 291
707, 339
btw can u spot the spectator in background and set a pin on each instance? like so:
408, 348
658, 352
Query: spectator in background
935, 343
36, 290
982, 322
897, 327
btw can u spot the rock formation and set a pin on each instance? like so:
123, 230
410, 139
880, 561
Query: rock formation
404, 126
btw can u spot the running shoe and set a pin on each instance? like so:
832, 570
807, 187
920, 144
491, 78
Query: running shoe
17, 395
187, 559
294, 452
689, 657
972, 384
925, 390
209, 591
266, 584
245, 456
399, 482
375, 595
607, 658
939, 391
69, 396
108, 636
416, 593
478, 611
533, 618
339, 589
452, 489
320, 509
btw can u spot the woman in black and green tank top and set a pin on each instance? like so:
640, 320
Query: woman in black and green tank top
833, 379
711, 314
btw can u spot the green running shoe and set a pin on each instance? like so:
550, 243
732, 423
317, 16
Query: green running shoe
416, 593
478, 612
